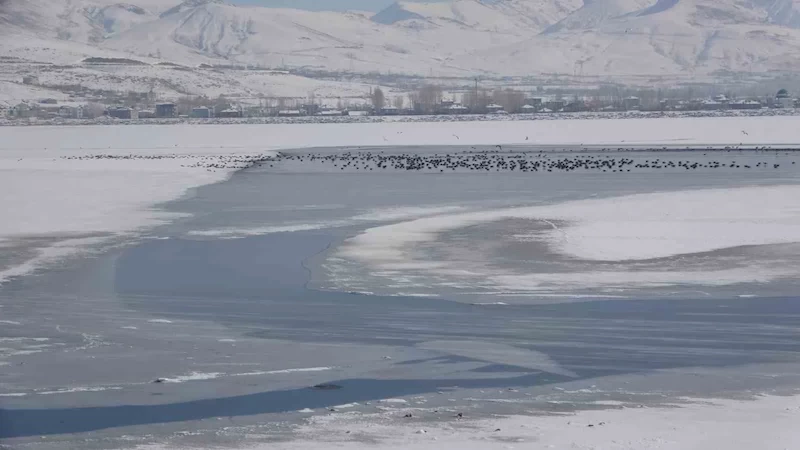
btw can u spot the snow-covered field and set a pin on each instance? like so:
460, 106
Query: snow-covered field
766, 423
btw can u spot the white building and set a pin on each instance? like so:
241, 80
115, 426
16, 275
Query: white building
455, 108
71, 112
783, 99
329, 113
493, 107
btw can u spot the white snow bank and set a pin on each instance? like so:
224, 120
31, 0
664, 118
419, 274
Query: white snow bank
231, 233
208, 139
635, 227
375, 215
80, 389
202, 376
44, 195
629, 228
194, 376
672, 223
544, 284
766, 423
285, 371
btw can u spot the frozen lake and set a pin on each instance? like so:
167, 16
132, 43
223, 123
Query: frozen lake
458, 285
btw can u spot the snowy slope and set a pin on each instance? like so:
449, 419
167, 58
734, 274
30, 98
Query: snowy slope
76, 20
465, 37
500, 16
327, 40
614, 39
596, 12
693, 37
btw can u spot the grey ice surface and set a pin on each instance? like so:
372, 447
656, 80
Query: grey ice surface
240, 330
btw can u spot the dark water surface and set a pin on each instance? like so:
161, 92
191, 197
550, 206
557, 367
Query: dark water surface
241, 329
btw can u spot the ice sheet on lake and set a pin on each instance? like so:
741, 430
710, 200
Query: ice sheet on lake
375, 215
258, 231
406, 212
643, 227
499, 354
56, 252
43, 194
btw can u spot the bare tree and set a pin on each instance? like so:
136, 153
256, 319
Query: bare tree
378, 99
186, 104
94, 110
399, 102
510, 99
427, 99
477, 100
221, 104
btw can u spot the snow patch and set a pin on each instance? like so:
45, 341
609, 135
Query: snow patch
284, 371
80, 389
767, 422
159, 321
630, 228
194, 376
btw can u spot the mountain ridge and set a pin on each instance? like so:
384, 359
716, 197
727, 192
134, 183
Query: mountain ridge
457, 38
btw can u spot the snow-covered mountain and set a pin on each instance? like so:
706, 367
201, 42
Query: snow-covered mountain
637, 37
612, 39
496, 16
76, 20
595, 13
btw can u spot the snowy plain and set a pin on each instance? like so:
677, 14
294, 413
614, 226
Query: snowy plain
762, 422
80, 202
697, 424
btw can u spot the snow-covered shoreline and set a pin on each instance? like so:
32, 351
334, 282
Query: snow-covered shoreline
765, 422
605, 115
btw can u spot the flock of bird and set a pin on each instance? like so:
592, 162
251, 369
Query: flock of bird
497, 161
208, 162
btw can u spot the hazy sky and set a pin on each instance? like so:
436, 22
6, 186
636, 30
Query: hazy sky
334, 5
